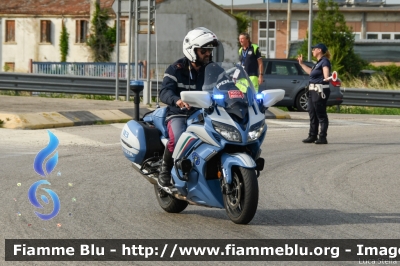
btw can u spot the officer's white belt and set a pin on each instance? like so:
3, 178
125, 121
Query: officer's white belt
317, 87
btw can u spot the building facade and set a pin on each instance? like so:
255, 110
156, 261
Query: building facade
30, 30
375, 22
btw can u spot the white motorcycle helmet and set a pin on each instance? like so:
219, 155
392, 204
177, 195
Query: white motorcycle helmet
198, 38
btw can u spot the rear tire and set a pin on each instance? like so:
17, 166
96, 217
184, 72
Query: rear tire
241, 205
302, 101
169, 203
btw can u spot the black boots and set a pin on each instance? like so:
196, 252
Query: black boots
310, 139
164, 177
315, 139
321, 140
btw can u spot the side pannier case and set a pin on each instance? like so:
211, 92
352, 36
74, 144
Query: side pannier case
140, 141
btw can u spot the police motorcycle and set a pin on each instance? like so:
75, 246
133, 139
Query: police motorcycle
217, 159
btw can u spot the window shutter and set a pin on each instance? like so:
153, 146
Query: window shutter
122, 31
10, 31
78, 31
48, 31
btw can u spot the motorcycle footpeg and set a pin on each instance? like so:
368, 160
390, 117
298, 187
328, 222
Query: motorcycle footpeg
185, 177
169, 190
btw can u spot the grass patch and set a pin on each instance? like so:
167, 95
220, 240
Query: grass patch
71, 96
282, 108
376, 82
344, 109
111, 122
101, 123
15, 93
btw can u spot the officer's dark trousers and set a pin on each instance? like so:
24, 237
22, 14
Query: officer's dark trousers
316, 108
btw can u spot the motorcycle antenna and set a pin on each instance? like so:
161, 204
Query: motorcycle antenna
155, 19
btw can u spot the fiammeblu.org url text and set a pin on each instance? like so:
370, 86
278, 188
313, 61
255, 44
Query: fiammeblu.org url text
233, 250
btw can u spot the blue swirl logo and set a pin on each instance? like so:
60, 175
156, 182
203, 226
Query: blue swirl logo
35, 202
41, 156
44, 169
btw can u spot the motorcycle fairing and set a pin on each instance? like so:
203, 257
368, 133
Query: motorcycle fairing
185, 142
200, 190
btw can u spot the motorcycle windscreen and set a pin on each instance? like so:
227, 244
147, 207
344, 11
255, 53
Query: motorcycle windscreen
218, 81
232, 99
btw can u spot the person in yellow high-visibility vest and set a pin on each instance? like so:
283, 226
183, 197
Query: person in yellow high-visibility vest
242, 84
250, 58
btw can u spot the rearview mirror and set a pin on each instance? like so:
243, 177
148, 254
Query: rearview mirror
200, 99
271, 97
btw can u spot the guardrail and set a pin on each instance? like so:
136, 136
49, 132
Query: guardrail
103, 69
106, 86
373, 98
66, 84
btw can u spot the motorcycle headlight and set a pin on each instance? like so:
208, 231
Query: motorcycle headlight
228, 132
256, 130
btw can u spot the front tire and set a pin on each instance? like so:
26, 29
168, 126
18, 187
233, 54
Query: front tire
168, 203
241, 204
302, 101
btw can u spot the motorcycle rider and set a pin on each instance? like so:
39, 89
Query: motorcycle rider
185, 74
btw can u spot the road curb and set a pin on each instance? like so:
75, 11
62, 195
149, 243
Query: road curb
276, 113
45, 120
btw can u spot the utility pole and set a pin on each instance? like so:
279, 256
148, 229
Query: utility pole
128, 67
117, 51
231, 6
267, 26
310, 16
289, 22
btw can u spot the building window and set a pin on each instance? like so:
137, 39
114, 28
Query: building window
45, 31
9, 66
262, 36
383, 36
357, 35
10, 30
121, 31
81, 31
294, 30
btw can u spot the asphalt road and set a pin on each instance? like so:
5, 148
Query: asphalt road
346, 189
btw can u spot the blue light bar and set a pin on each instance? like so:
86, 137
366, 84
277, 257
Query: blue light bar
218, 96
259, 96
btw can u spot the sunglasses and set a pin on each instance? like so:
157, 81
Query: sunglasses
205, 50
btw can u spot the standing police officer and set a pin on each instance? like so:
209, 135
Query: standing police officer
251, 60
318, 93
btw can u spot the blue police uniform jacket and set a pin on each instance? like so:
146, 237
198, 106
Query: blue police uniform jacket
317, 73
178, 78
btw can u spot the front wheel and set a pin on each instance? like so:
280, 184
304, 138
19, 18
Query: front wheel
241, 203
167, 202
302, 101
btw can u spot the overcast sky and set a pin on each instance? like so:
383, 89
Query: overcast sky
242, 2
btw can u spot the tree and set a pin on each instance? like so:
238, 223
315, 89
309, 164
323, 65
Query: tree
329, 27
103, 38
64, 46
243, 21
